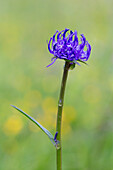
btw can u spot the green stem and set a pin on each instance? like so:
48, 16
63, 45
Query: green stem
59, 115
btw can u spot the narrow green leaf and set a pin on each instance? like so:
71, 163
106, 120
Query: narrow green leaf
38, 124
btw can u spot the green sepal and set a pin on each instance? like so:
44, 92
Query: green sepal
72, 66
38, 124
82, 62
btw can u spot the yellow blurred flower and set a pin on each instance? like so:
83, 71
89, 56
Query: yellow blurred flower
49, 105
69, 114
13, 126
66, 129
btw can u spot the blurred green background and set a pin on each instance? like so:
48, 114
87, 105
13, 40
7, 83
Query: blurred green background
25, 26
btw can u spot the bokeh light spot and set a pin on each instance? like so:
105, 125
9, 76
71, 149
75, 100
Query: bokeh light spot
69, 114
49, 105
13, 126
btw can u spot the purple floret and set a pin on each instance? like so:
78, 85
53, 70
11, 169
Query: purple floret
65, 45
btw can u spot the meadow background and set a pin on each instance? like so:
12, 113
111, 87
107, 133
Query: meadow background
25, 27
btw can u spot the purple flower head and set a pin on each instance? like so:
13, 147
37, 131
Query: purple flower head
65, 45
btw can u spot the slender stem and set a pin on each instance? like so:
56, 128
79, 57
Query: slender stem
59, 115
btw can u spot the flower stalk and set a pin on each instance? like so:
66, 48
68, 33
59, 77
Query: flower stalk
59, 115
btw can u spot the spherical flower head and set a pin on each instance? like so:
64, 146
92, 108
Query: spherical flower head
65, 45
